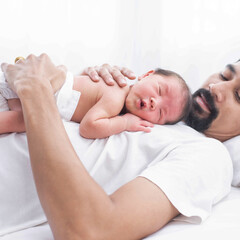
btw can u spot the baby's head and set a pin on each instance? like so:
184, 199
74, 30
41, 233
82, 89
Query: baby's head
160, 97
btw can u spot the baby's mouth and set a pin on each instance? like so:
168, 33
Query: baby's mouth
143, 104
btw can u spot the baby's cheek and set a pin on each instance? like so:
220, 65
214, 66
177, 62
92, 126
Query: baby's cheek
150, 116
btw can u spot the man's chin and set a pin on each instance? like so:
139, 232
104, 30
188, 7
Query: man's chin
200, 124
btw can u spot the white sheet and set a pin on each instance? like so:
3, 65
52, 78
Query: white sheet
223, 224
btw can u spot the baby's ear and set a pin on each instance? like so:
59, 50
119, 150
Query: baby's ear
145, 75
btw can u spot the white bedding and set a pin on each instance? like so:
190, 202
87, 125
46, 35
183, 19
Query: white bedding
16, 176
224, 223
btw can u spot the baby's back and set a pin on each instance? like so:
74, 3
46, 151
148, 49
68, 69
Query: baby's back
92, 93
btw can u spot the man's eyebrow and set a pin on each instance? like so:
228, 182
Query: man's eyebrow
231, 68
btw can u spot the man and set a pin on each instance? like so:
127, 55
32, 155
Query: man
216, 106
161, 179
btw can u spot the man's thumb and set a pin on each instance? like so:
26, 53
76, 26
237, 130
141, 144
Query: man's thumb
62, 68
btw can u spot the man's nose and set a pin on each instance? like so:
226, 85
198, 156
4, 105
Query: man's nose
153, 103
218, 91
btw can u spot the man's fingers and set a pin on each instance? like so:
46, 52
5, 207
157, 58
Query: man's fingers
42, 56
31, 57
63, 68
7, 67
118, 77
109, 74
107, 77
92, 73
4, 67
126, 72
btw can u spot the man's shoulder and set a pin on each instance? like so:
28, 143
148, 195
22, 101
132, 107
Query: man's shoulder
189, 137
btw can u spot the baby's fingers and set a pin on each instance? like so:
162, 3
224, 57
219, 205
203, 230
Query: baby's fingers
145, 129
146, 124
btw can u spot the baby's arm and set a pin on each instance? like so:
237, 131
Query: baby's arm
101, 121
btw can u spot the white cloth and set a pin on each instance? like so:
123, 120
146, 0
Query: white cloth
233, 148
5, 93
66, 98
195, 172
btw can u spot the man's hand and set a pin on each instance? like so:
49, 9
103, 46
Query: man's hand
134, 123
33, 72
109, 74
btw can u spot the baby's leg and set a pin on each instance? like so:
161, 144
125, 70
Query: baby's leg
11, 117
14, 104
11, 121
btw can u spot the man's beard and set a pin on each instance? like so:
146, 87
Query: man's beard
202, 123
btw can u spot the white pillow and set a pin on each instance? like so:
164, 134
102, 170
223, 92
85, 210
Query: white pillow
233, 146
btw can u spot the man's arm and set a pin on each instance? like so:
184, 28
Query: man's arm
75, 205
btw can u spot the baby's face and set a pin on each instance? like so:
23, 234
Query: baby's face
156, 98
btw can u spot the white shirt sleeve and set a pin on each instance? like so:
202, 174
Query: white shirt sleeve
194, 176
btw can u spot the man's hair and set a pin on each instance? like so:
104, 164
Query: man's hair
186, 93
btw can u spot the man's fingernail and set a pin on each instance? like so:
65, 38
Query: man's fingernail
132, 75
96, 77
122, 80
110, 80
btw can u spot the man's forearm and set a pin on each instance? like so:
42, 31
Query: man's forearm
65, 188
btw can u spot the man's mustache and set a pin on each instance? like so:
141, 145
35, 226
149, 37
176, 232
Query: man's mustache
207, 98
194, 119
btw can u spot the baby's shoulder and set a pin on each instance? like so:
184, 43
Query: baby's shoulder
114, 91
113, 98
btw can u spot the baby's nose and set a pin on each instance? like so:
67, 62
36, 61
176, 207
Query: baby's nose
153, 103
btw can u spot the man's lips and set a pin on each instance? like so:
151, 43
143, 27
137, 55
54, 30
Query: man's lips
203, 103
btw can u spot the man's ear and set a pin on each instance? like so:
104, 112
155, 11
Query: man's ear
145, 75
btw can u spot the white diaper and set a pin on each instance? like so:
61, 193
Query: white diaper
5, 93
66, 98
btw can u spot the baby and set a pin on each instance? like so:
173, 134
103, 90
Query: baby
158, 97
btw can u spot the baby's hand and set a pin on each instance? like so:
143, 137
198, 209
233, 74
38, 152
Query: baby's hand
134, 123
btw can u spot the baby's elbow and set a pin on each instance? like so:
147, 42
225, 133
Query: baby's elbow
83, 131
86, 130
92, 130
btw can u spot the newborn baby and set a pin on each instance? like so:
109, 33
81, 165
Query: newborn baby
158, 97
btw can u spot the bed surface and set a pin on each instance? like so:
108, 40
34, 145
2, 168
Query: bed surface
224, 223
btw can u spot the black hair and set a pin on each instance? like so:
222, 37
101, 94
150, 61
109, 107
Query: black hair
186, 92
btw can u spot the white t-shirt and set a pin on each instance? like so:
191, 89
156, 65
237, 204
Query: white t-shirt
194, 172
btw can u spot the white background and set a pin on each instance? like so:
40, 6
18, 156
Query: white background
192, 37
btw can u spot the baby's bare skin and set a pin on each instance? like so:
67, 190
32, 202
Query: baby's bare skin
99, 107
112, 97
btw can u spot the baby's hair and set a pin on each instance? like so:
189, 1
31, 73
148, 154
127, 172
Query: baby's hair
186, 92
